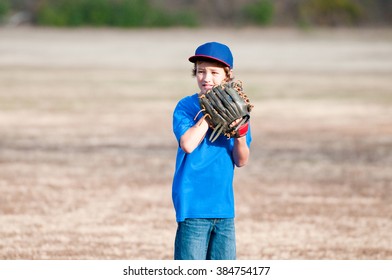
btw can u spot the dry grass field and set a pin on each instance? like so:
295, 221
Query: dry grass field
87, 152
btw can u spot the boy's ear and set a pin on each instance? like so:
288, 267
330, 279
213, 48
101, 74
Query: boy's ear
229, 75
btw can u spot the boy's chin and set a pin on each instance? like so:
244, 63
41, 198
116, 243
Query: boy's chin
205, 89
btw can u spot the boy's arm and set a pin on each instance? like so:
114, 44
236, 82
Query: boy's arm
240, 151
193, 136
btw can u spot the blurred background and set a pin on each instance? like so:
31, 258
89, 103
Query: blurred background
87, 153
192, 13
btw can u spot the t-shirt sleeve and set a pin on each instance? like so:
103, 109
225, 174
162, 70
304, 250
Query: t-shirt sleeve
182, 118
249, 136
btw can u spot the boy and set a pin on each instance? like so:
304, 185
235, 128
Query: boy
202, 192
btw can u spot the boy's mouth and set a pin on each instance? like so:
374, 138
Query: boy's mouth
208, 86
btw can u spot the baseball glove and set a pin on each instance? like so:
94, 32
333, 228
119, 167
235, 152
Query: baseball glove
227, 110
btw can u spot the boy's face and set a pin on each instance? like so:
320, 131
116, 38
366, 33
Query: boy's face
209, 74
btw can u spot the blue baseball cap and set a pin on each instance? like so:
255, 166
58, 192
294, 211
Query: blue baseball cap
215, 51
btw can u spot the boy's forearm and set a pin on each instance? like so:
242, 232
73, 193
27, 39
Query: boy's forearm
240, 152
193, 136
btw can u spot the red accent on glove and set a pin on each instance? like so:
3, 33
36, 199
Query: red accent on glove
242, 130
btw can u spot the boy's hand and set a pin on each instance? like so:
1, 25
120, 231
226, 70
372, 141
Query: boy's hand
242, 130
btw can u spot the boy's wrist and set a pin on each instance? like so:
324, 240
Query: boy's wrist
203, 123
240, 140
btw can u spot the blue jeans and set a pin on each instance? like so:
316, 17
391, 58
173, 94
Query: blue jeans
205, 239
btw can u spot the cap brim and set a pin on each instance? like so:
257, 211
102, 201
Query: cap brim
195, 58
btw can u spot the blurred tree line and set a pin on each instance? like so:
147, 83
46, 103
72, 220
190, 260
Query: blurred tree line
163, 13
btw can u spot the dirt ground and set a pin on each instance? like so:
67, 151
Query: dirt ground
87, 151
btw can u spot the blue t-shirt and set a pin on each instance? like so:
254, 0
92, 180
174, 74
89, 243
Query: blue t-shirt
203, 180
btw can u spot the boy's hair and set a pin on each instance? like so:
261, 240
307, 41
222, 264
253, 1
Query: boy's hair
229, 73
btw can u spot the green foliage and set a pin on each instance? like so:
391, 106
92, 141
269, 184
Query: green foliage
157, 17
330, 12
4, 8
260, 12
117, 13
